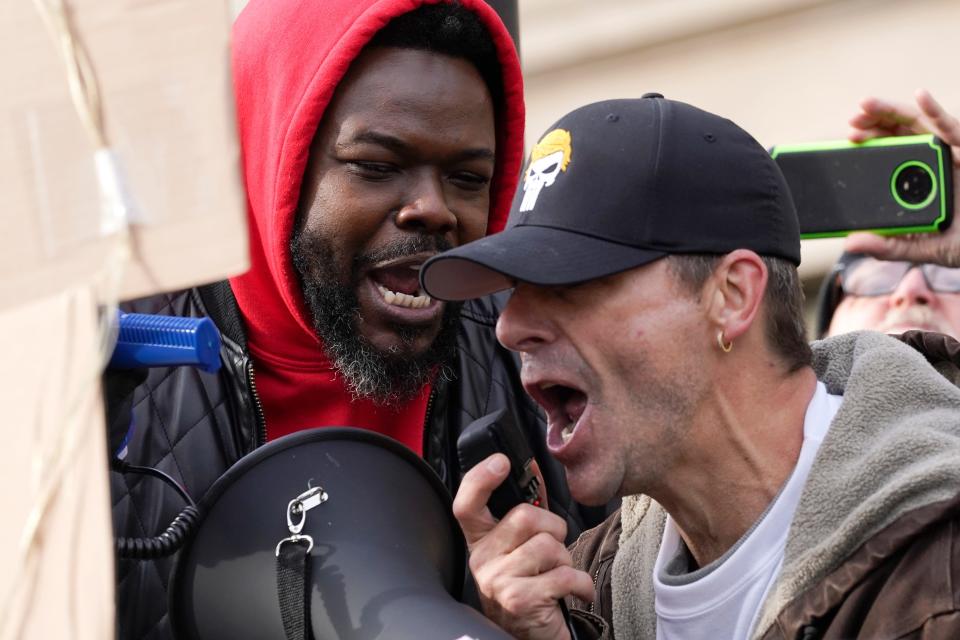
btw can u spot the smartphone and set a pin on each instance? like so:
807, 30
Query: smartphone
885, 185
498, 433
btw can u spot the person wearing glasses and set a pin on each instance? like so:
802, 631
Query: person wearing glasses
898, 283
890, 296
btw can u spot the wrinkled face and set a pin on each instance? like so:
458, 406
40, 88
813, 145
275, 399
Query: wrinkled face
616, 365
400, 169
912, 304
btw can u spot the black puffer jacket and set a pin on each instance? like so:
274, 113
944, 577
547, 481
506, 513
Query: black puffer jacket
194, 425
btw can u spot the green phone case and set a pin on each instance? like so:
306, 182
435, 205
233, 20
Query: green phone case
886, 185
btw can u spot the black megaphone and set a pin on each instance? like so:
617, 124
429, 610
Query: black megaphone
386, 556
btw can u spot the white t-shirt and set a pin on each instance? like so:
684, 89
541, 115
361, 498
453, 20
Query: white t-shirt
722, 599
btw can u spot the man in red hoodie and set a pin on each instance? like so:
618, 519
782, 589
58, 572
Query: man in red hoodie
374, 134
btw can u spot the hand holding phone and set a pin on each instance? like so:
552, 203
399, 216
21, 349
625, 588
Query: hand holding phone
878, 117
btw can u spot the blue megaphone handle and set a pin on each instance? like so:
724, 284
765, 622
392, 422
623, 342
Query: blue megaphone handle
147, 340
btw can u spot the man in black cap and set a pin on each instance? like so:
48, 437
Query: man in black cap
769, 490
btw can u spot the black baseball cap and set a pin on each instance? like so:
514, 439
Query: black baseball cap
617, 184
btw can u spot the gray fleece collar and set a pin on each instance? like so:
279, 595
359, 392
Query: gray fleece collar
894, 446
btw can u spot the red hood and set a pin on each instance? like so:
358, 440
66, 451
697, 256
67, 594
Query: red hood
288, 57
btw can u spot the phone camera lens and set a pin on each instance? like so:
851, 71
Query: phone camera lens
913, 184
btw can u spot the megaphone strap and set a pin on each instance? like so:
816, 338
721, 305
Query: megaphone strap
293, 566
293, 589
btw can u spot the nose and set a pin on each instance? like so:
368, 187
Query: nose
426, 209
912, 290
523, 324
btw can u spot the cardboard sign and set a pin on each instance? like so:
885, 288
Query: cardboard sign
167, 104
56, 551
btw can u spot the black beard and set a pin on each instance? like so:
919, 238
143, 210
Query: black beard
389, 377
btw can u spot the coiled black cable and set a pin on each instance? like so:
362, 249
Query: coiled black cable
179, 531
120, 466
167, 543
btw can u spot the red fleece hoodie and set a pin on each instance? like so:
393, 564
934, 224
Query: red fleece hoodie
288, 57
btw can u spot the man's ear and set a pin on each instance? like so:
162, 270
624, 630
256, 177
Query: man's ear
735, 292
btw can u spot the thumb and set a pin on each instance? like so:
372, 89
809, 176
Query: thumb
470, 503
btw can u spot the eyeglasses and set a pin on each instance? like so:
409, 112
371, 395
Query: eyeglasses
870, 277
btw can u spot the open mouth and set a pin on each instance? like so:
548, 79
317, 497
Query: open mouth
399, 283
564, 406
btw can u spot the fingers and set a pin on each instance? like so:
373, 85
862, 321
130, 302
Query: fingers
520, 525
470, 503
871, 244
938, 248
944, 125
528, 607
525, 520
879, 118
539, 554
519, 596
577, 583
522, 569
886, 114
862, 135
499, 560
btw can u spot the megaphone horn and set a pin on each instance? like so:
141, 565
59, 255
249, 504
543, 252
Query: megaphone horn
339, 529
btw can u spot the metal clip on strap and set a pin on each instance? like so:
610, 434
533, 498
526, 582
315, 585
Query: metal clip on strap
293, 567
296, 539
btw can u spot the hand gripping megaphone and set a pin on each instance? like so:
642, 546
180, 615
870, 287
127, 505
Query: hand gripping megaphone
331, 534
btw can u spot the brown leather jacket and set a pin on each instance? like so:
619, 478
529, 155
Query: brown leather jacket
898, 580
902, 583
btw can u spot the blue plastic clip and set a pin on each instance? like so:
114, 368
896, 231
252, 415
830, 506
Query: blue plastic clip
147, 340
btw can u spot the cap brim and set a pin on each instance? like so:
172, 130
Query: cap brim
538, 255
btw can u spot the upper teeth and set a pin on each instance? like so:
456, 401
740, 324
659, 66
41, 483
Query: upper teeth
416, 301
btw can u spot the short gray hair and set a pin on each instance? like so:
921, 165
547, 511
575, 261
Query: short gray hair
785, 329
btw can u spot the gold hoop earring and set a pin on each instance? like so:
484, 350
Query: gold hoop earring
727, 348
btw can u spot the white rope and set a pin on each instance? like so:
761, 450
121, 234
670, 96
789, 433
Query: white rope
59, 462
81, 77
